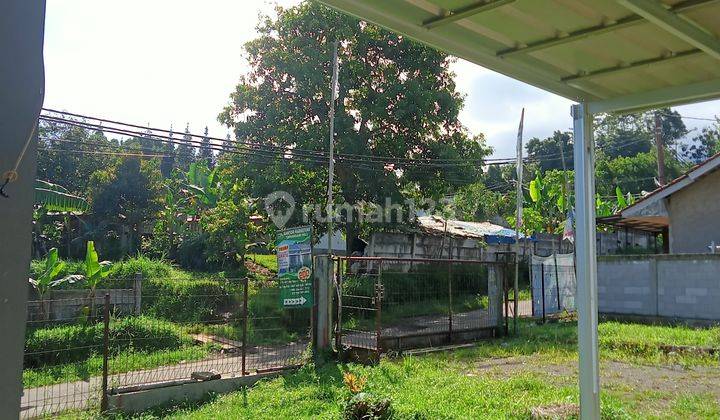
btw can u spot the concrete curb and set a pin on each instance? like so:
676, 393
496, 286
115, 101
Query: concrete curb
137, 401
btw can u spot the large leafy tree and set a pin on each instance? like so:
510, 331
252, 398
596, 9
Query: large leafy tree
630, 134
548, 153
633, 174
396, 99
126, 195
69, 155
478, 203
705, 144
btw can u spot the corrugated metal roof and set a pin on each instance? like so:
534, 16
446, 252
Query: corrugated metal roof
477, 230
619, 54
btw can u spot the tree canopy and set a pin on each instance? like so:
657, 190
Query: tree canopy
396, 100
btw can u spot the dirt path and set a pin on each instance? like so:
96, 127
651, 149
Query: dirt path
84, 394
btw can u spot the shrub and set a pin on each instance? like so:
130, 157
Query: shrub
121, 272
189, 300
71, 343
149, 268
422, 282
268, 321
363, 406
192, 253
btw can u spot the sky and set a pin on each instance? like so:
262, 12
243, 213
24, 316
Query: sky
175, 62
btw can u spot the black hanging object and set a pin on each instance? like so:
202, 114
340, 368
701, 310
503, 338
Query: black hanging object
2, 188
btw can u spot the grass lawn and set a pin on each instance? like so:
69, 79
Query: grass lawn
502, 378
268, 261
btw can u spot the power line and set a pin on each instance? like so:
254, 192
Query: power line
149, 131
97, 152
254, 153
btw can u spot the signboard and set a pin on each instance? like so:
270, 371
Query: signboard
294, 257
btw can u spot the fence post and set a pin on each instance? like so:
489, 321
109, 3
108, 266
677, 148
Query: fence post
323, 279
245, 325
496, 296
378, 309
450, 303
338, 285
137, 292
542, 283
106, 352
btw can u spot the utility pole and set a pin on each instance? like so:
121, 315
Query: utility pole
660, 149
565, 192
331, 161
518, 222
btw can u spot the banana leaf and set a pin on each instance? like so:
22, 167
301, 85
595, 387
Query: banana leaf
56, 198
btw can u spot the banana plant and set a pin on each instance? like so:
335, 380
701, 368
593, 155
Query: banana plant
51, 197
54, 197
95, 272
204, 185
48, 280
622, 200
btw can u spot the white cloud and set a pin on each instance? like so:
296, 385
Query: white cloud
160, 62
174, 62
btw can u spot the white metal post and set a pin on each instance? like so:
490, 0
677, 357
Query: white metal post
586, 268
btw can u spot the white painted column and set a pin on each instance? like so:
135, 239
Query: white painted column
586, 268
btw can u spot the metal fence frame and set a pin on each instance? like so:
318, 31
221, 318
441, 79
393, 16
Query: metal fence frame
373, 269
266, 341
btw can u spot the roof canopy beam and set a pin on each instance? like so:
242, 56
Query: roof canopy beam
603, 28
634, 65
655, 12
465, 12
668, 96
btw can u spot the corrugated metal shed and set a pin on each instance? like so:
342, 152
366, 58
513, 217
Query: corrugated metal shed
486, 231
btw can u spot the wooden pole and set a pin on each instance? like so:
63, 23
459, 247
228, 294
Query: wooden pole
660, 149
331, 160
518, 221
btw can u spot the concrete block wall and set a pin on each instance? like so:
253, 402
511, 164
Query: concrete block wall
689, 287
66, 305
685, 286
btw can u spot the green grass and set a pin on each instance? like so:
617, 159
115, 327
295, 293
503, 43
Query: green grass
655, 335
451, 385
634, 343
123, 362
524, 294
268, 261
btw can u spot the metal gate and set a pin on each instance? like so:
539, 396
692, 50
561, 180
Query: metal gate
396, 304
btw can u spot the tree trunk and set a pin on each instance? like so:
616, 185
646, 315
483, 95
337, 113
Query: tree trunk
350, 234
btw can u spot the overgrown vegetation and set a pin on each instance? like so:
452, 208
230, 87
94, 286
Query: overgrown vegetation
70, 343
268, 261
